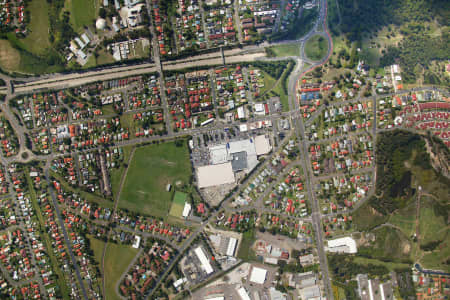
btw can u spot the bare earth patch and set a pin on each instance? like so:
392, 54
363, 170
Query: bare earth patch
9, 57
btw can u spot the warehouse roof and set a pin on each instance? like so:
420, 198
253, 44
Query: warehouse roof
348, 242
203, 260
212, 175
258, 275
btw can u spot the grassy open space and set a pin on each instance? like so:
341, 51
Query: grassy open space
178, 203
275, 88
390, 265
432, 227
366, 218
117, 259
21, 54
286, 50
283, 96
104, 57
316, 47
96, 246
150, 170
29, 55
338, 292
37, 40
9, 57
405, 219
437, 258
269, 82
83, 13
116, 173
245, 251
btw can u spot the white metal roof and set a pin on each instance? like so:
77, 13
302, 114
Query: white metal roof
258, 275
203, 260
186, 210
344, 241
243, 294
213, 175
231, 246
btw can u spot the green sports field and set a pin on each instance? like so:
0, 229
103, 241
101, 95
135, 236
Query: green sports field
178, 203
151, 169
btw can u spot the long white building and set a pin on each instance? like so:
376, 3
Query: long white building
203, 260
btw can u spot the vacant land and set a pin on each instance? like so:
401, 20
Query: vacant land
179, 201
29, 55
274, 87
316, 47
37, 40
151, 169
83, 13
390, 245
245, 249
286, 50
390, 266
338, 292
117, 173
117, 259
9, 57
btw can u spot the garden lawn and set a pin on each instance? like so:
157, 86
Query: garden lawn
316, 47
151, 169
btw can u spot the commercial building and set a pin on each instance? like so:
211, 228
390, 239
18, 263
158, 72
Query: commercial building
223, 244
243, 293
311, 292
342, 245
231, 246
258, 275
206, 266
227, 159
213, 175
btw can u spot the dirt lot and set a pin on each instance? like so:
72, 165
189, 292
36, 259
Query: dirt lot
9, 57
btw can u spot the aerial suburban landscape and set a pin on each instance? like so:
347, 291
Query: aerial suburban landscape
225, 149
